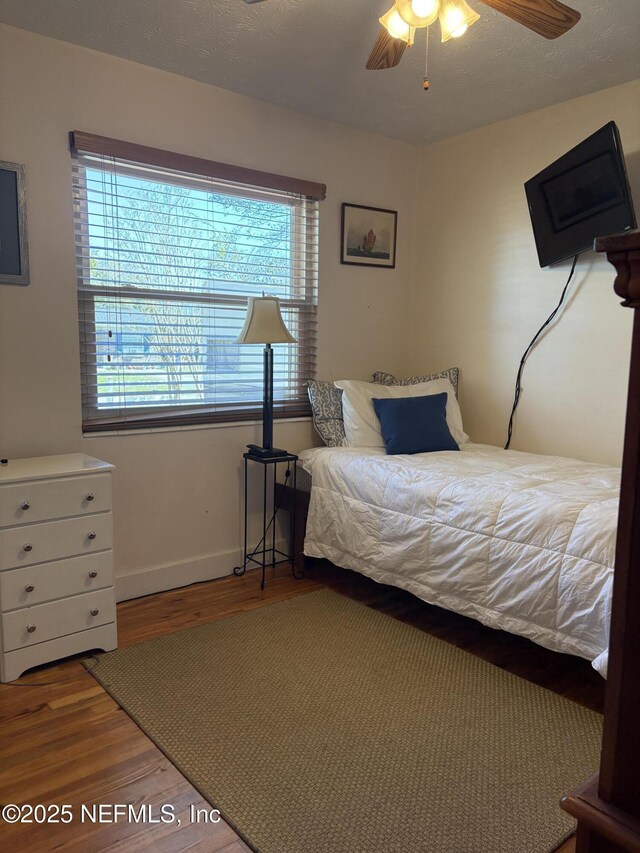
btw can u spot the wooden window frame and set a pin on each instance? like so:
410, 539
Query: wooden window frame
192, 168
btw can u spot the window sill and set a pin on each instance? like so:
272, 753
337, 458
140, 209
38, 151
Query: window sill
88, 436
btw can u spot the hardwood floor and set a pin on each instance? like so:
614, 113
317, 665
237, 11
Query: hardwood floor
63, 740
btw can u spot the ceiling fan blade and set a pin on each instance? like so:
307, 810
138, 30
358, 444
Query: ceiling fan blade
253, 1
548, 18
387, 52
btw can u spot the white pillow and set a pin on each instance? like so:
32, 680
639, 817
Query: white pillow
361, 424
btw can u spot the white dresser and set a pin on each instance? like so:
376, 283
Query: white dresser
56, 563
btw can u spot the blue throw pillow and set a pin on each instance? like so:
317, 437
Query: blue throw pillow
414, 424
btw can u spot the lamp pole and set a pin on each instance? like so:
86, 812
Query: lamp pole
267, 405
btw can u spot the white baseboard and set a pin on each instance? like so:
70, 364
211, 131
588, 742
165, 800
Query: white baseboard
150, 579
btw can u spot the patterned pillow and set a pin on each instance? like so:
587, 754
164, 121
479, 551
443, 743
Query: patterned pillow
389, 379
326, 407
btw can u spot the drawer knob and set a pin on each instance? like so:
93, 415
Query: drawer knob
91, 535
29, 587
31, 628
94, 611
27, 547
89, 496
25, 505
93, 573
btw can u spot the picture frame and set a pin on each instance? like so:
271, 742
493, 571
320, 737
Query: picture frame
14, 251
368, 236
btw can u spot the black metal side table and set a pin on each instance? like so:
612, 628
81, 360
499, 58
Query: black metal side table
262, 555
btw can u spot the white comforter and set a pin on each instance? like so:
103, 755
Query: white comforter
521, 542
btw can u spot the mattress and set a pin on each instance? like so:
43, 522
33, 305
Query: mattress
521, 542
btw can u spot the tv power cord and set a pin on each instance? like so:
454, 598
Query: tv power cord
534, 341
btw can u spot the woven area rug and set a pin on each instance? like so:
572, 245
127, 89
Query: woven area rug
319, 725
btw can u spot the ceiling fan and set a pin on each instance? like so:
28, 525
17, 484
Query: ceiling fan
548, 18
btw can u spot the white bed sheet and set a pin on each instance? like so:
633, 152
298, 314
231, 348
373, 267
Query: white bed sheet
518, 541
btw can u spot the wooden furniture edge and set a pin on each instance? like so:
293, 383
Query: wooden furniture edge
607, 806
595, 814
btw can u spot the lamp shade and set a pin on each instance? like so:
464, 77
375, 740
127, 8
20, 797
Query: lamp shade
456, 16
263, 323
396, 26
418, 13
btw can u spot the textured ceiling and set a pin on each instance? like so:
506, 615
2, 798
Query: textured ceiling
309, 55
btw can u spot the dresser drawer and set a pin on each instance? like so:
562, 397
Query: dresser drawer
48, 581
33, 625
36, 543
24, 503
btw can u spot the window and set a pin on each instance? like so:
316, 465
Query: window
169, 248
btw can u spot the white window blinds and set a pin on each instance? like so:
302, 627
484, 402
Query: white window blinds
166, 259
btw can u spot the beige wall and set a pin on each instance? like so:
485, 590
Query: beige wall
480, 295
177, 494
467, 289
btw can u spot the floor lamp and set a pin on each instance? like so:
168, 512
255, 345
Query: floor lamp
264, 325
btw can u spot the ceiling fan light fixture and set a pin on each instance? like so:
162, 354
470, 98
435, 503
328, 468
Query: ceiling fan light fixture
396, 26
418, 13
456, 16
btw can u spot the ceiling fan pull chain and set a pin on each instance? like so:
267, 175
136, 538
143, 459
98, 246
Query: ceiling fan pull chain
425, 82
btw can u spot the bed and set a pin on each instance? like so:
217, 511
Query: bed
521, 542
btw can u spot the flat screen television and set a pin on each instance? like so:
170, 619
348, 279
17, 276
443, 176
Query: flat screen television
583, 195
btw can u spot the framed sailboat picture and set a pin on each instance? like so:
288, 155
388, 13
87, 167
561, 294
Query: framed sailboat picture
368, 236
